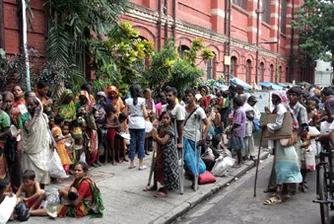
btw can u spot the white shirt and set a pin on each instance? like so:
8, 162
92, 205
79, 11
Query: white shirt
178, 112
136, 117
193, 124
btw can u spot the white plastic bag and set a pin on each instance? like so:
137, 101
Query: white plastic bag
6, 208
56, 169
310, 160
222, 165
83, 158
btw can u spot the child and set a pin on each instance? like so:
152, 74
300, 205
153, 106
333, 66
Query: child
111, 124
69, 141
122, 118
77, 135
60, 140
31, 188
238, 130
166, 172
7, 200
311, 112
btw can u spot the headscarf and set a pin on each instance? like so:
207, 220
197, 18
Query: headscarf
112, 89
88, 106
67, 111
284, 101
62, 97
118, 102
282, 96
103, 94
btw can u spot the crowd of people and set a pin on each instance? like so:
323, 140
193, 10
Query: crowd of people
87, 131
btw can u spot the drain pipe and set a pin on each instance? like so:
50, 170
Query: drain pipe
174, 20
159, 25
166, 24
25, 43
292, 42
2, 25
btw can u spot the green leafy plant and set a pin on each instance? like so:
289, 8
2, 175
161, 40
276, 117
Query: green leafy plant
119, 59
73, 24
13, 69
167, 68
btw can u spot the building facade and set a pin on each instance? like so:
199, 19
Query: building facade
228, 30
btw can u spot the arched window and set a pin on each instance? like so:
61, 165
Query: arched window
182, 50
283, 15
271, 72
233, 67
279, 74
266, 11
261, 72
210, 68
241, 3
248, 70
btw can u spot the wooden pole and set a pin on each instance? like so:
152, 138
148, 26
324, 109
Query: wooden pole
258, 162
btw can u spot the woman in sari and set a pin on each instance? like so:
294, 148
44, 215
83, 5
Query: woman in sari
36, 141
114, 99
85, 107
13, 155
87, 202
65, 105
42, 95
4, 132
205, 100
286, 160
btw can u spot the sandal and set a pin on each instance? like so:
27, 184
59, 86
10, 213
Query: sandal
132, 167
150, 188
160, 194
272, 201
142, 168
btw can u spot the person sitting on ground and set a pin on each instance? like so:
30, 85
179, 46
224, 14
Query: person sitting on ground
32, 190
7, 201
88, 202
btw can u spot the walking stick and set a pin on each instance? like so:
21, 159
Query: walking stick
258, 162
197, 153
152, 167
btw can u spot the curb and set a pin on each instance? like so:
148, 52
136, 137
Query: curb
187, 205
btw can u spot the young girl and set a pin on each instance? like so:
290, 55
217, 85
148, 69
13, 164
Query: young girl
166, 172
77, 135
111, 124
59, 139
122, 118
69, 141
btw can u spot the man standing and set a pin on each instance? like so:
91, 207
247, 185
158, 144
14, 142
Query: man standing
177, 112
195, 115
294, 95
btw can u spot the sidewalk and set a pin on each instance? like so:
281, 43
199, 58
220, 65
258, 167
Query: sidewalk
126, 202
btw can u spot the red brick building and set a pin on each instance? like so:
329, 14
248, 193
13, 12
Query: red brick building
204, 19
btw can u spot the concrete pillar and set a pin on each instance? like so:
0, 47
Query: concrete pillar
274, 23
218, 15
252, 20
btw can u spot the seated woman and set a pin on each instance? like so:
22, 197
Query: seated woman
83, 197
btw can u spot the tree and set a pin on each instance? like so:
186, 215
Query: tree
316, 24
72, 24
168, 68
119, 58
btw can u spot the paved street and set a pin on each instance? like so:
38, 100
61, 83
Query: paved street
125, 202
236, 204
